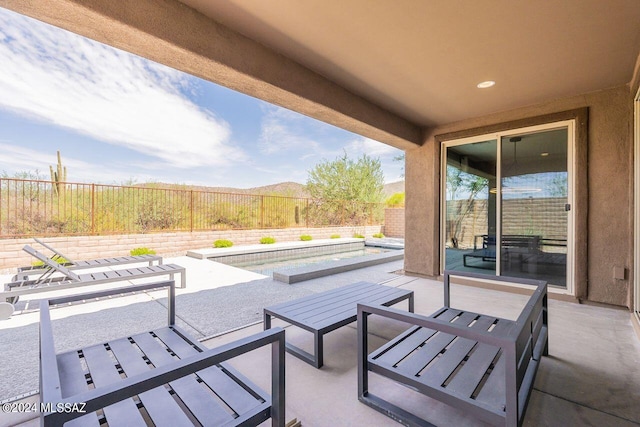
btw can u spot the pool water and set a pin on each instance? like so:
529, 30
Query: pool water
267, 267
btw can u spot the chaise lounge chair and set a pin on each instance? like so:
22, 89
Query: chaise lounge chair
60, 258
69, 279
162, 377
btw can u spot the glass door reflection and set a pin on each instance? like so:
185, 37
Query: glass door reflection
470, 207
534, 206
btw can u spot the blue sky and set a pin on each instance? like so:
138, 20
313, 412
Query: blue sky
116, 117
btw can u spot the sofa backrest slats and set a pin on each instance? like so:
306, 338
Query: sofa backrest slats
529, 324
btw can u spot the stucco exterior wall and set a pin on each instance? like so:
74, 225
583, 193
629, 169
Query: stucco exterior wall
609, 172
92, 247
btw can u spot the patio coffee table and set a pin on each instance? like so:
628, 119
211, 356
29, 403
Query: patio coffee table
327, 311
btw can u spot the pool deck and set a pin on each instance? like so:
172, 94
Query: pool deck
308, 272
274, 247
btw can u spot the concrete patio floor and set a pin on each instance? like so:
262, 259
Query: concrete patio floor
591, 378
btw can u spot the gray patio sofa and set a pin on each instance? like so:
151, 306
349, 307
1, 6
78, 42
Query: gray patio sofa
481, 364
170, 379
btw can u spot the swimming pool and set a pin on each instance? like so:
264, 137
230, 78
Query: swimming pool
282, 262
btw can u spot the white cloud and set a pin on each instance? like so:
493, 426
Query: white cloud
283, 131
371, 148
60, 78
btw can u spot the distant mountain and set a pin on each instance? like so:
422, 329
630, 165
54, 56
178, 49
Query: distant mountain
393, 188
289, 189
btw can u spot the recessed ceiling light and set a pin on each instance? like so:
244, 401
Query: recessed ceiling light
545, 154
486, 84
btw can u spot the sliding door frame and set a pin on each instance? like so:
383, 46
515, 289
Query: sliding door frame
636, 216
576, 121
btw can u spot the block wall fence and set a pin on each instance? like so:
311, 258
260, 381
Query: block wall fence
394, 222
166, 244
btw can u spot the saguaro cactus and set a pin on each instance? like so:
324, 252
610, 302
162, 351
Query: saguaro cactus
59, 176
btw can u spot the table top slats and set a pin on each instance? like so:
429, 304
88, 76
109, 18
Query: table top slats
202, 404
163, 409
335, 306
351, 311
103, 372
350, 302
301, 305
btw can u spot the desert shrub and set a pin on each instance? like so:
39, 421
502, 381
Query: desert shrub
378, 235
59, 260
335, 236
358, 236
222, 243
142, 251
267, 240
395, 200
305, 237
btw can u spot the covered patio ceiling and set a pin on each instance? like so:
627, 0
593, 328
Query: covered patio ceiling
383, 69
423, 59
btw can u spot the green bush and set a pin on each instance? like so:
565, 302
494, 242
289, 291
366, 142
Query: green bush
267, 240
59, 260
358, 236
305, 237
142, 251
395, 200
222, 243
335, 236
378, 235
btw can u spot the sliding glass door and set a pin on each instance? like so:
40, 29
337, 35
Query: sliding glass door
507, 204
470, 212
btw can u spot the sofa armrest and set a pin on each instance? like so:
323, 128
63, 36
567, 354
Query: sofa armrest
500, 340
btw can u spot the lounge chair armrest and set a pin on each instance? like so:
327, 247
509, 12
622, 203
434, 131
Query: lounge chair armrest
170, 284
501, 340
96, 399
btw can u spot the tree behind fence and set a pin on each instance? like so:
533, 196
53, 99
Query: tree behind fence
35, 208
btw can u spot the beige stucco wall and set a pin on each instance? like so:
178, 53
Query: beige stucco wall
609, 216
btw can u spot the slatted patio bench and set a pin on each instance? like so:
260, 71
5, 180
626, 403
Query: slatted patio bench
327, 311
158, 378
481, 364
